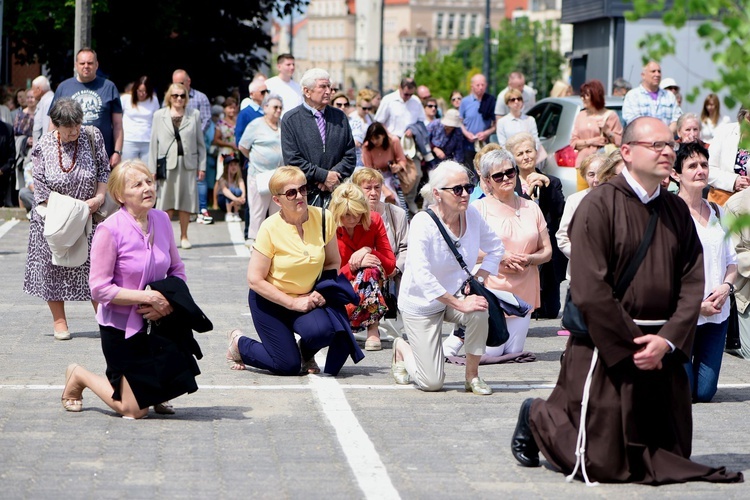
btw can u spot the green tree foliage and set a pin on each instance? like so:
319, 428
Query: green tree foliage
217, 42
520, 46
442, 75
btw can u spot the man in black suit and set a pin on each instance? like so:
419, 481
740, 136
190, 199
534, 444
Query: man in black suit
318, 139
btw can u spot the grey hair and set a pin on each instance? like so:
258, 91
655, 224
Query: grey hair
494, 158
687, 116
257, 82
311, 76
519, 138
42, 82
621, 83
272, 97
439, 178
66, 112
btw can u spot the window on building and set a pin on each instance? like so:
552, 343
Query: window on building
439, 25
462, 26
451, 25
473, 25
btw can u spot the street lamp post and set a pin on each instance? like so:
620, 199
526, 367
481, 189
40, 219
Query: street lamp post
380, 58
487, 42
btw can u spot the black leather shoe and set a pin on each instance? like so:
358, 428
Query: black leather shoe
522, 445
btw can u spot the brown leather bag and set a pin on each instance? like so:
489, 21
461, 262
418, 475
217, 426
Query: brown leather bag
718, 196
408, 176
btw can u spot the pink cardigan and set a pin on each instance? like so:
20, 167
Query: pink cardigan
122, 257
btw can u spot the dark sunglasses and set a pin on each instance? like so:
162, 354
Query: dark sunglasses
457, 190
342, 104
431, 106
457, 98
499, 176
178, 96
291, 194
264, 92
366, 108
514, 99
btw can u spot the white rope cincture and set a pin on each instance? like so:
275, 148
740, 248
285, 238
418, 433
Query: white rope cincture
581, 441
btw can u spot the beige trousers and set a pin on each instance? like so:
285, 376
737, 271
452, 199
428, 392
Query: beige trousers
426, 364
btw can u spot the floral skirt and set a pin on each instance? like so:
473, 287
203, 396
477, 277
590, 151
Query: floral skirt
368, 284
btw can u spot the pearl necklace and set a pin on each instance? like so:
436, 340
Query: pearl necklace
59, 154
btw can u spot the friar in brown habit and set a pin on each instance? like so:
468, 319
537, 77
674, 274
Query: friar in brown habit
637, 424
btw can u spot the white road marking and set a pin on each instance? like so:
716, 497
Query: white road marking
7, 227
238, 239
368, 469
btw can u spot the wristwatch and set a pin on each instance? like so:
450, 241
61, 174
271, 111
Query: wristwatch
118, 152
731, 287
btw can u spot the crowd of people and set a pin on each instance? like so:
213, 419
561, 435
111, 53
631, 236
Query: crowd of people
372, 224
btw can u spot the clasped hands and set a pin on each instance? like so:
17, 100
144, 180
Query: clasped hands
333, 179
515, 261
308, 302
715, 301
363, 258
156, 306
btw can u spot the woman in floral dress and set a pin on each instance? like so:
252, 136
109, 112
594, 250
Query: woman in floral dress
66, 162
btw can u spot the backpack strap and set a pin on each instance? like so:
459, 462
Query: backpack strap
716, 209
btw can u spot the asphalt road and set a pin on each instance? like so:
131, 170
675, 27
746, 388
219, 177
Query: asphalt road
254, 435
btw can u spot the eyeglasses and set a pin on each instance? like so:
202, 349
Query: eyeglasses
431, 106
264, 92
178, 96
514, 99
457, 98
341, 104
291, 194
657, 146
407, 96
276, 107
457, 190
499, 176
366, 108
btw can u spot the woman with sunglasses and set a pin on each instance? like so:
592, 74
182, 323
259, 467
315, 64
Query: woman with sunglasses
521, 226
290, 253
546, 191
433, 283
515, 121
261, 145
177, 135
456, 99
361, 118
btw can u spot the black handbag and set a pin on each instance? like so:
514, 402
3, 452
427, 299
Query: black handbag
390, 299
161, 164
498, 329
572, 318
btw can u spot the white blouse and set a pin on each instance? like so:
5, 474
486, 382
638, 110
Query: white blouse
431, 270
718, 254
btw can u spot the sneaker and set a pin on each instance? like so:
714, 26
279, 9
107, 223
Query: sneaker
205, 218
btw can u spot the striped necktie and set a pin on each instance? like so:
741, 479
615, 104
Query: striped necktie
321, 126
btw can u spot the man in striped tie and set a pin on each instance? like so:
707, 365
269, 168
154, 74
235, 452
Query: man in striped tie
318, 139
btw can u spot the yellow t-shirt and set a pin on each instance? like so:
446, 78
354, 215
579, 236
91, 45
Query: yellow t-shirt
296, 263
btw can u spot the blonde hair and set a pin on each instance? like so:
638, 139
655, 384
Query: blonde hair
283, 176
170, 90
117, 177
609, 169
560, 89
493, 146
586, 163
367, 174
512, 93
349, 198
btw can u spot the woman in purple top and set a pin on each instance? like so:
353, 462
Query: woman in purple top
132, 248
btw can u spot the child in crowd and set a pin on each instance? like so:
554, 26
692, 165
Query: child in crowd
231, 189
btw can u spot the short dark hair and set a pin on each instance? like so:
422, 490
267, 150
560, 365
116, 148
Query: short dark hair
87, 49
376, 129
146, 82
687, 151
66, 112
284, 57
595, 91
408, 83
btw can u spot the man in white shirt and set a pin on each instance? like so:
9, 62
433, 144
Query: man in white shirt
283, 85
516, 80
41, 89
401, 108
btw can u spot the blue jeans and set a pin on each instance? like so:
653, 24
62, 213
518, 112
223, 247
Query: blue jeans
202, 195
705, 364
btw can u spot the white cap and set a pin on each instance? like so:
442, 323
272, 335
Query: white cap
668, 82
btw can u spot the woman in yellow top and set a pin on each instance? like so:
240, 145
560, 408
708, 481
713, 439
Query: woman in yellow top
289, 255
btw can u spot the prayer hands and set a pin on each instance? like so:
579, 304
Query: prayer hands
650, 355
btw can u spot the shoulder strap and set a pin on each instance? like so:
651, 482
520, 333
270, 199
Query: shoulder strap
640, 254
716, 209
449, 241
323, 214
90, 135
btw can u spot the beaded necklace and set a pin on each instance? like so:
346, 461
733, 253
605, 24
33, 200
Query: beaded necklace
59, 155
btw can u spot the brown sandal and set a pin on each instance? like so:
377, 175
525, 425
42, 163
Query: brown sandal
71, 404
